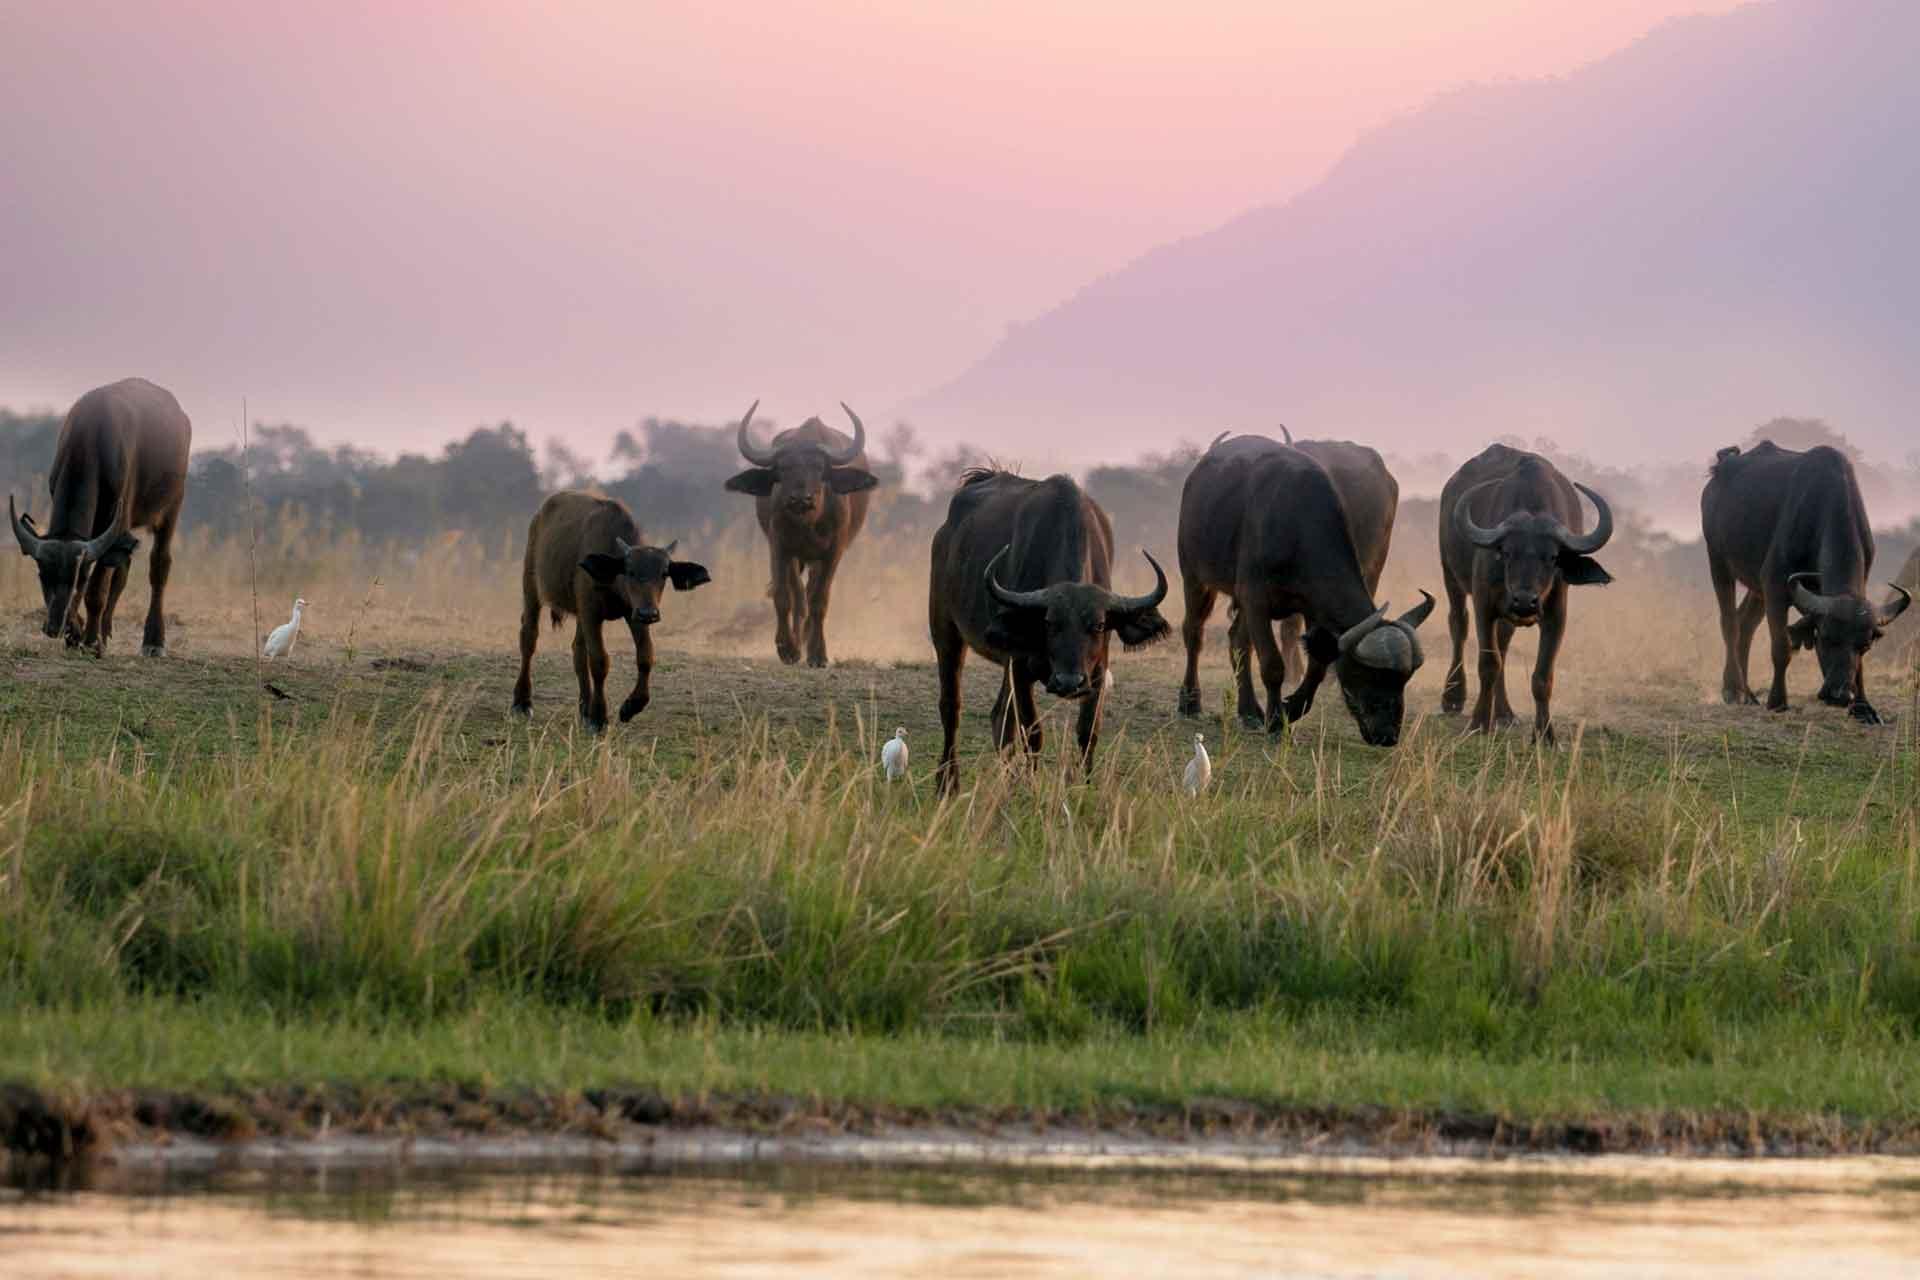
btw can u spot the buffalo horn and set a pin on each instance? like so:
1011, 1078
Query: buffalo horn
1410, 621
93, 548
1587, 544
1135, 604
1808, 602
758, 457
1288, 434
1015, 599
853, 450
1894, 608
1463, 519
29, 541
1360, 630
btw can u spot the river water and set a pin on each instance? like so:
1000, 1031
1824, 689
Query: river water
195, 1219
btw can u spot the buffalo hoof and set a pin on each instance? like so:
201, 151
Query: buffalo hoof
1295, 707
1543, 737
153, 651
817, 660
594, 727
523, 709
1453, 706
1863, 712
1739, 697
786, 652
1187, 703
1253, 720
631, 708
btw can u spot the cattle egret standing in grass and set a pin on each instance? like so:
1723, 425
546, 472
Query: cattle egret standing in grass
1200, 768
280, 641
893, 756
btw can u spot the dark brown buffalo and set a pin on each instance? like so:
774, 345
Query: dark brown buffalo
1512, 540
585, 558
1371, 497
120, 464
1791, 528
809, 491
1268, 525
1022, 575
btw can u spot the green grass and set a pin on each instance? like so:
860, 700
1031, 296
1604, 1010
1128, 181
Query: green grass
385, 881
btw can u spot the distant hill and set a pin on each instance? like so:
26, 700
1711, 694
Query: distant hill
1643, 258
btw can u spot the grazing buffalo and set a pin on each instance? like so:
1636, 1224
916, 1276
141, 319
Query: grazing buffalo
120, 464
1372, 498
1022, 571
1790, 527
1512, 539
585, 558
1269, 526
809, 490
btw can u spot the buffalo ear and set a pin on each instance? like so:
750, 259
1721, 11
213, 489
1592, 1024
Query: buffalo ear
120, 554
757, 481
1322, 646
603, 569
1583, 571
1803, 634
1139, 628
850, 479
686, 575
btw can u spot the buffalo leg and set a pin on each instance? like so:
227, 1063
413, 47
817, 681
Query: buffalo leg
153, 642
1753, 610
1502, 709
1453, 696
1300, 701
1025, 714
786, 597
1002, 716
1193, 632
1240, 654
1491, 676
1273, 670
1735, 632
1861, 709
1086, 730
1782, 649
529, 641
115, 585
590, 674
1292, 628
1553, 628
951, 652
819, 592
94, 601
643, 672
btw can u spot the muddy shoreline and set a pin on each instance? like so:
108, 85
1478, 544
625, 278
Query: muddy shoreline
44, 1133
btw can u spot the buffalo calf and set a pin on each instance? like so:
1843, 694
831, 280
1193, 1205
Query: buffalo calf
585, 558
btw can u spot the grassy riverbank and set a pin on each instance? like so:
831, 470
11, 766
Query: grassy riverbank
1684, 910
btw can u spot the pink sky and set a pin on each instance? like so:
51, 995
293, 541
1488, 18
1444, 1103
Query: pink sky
392, 221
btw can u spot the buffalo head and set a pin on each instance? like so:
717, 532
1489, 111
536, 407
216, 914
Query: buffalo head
1069, 622
1373, 660
67, 564
1839, 629
797, 476
638, 575
1532, 551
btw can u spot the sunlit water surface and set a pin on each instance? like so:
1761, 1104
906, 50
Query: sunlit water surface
1343, 1218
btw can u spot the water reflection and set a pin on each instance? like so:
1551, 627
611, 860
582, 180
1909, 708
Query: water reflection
1397, 1218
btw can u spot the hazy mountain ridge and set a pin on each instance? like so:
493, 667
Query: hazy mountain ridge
1697, 233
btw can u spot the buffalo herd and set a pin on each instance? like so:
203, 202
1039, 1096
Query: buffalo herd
1294, 533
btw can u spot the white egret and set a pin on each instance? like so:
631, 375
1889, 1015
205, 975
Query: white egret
893, 756
1200, 768
280, 640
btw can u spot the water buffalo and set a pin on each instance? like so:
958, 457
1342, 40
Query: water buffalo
809, 490
585, 557
1021, 574
1513, 539
1791, 528
120, 464
1372, 498
1269, 526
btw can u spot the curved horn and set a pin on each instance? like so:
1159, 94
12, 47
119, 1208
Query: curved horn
758, 457
1410, 621
1288, 434
1476, 534
1894, 608
1013, 599
1811, 603
853, 450
29, 540
1134, 604
1360, 630
1217, 439
1587, 544
93, 548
